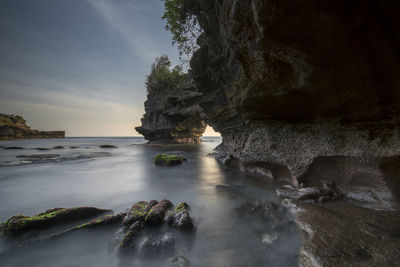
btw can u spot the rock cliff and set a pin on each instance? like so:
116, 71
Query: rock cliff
173, 117
293, 84
304, 91
14, 127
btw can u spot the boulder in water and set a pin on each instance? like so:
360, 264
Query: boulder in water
157, 213
168, 160
180, 217
139, 211
134, 231
20, 224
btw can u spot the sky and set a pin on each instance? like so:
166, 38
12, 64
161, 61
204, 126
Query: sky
80, 65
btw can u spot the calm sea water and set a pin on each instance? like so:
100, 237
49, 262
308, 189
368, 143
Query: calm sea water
83, 174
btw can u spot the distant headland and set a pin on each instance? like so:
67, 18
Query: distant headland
14, 127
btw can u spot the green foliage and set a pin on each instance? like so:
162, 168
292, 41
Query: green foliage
164, 159
183, 24
11, 119
162, 78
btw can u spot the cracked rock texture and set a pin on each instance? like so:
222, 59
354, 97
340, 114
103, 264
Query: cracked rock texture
174, 117
287, 83
340, 234
305, 91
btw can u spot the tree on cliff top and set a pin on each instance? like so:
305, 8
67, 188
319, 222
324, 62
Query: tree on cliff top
184, 26
162, 78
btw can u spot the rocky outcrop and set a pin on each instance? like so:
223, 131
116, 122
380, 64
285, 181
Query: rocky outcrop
14, 127
306, 91
173, 117
21, 224
340, 234
285, 83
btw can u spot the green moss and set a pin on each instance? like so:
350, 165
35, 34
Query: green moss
181, 207
164, 159
18, 222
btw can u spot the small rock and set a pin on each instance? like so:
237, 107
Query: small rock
177, 261
134, 231
13, 147
108, 146
269, 238
168, 160
157, 213
58, 147
180, 217
136, 213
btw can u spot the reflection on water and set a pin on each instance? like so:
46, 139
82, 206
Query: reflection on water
116, 179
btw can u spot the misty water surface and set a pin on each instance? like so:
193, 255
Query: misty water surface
116, 178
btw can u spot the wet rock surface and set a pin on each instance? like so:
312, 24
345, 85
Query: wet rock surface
157, 213
108, 219
321, 194
180, 217
20, 224
134, 231
174, 117
168, 160
340, 234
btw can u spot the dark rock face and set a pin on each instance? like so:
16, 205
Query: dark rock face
134, 231
340, 234
287, 82
174, 117
157, 213
14, 127
180, 217
306, 91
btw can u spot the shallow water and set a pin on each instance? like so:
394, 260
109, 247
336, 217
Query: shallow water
116, 178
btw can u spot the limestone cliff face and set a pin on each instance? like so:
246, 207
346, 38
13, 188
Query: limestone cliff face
14, 127
287, 82
305, 91
174, 117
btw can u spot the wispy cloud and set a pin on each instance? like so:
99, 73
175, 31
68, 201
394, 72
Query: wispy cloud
140, 44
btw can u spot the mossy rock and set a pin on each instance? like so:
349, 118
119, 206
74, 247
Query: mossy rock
134, 231
168, 160
136, 213
107, 219
157, 213
20, 224
179, 217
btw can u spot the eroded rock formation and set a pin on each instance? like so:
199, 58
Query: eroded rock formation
173, 117
305, 91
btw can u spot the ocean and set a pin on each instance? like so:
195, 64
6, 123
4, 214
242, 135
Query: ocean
233, 226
